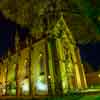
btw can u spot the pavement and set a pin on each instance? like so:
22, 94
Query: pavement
68, 97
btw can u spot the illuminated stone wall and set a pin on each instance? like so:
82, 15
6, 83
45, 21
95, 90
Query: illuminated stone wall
38, 67
23, 71
69, 60
54, 64
1, 74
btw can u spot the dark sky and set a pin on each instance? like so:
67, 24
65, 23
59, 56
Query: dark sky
6, 29
7, 33
89, 52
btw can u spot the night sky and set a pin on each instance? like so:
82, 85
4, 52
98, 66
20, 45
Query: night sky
6, 29
89, 52
7, 33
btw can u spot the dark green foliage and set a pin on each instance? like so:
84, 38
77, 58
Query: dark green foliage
31, 13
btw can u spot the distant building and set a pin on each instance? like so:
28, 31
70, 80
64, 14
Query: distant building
93, 80
88, 67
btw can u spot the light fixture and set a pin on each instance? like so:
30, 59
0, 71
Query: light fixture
41, 54
49, 77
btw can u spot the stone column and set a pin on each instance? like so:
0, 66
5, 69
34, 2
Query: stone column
6, 76
50, 92
7, 67
51, 68
56, 69
29, 44
17, 64
75, 66
79, 72
81, 69
70, 71
62, 65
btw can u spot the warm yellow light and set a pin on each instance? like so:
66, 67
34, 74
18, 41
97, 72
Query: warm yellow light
49, 77
4, 91
40, 54
99, 75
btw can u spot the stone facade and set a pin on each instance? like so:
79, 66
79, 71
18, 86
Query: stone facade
50, 66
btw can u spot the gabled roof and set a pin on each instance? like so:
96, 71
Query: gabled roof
61, 30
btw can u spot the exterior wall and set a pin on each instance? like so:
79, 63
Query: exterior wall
1, 73
2, 79
3, 76
38, 66
23, 71
51, 68
46, 64
71, 66
23, 63
81, 70
38, 48
62, 64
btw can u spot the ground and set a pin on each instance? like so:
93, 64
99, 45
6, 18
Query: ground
69, 97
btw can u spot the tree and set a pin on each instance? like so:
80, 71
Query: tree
31, 13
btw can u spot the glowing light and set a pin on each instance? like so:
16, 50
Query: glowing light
49, 77
40, 54
99, 75
4, 91
25, 87
41, 86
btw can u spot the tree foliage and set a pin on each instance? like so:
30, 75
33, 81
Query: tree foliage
27, 12
39, 15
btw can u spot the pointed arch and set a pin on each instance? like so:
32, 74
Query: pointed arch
61, 26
